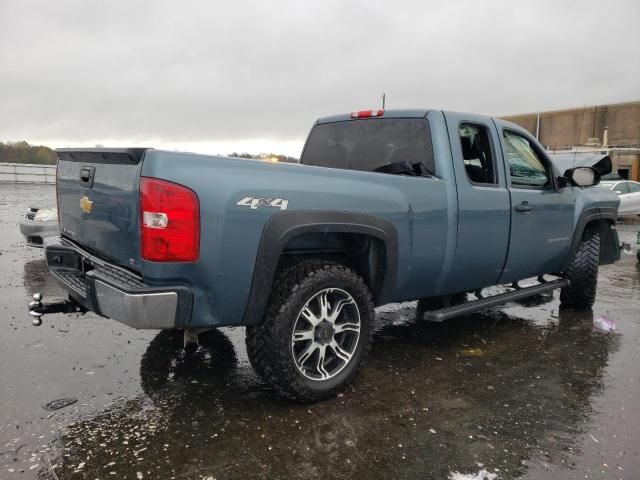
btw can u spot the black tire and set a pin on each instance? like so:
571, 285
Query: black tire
253, 351
583, 273
269, 345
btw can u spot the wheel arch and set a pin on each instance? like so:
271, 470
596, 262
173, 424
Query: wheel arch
285, 232
604, 219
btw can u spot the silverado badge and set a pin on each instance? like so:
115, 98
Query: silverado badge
85, 204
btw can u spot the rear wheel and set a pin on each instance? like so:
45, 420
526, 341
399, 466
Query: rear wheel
316, 331
583, 273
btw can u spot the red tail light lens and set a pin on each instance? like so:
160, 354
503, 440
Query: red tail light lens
169, 222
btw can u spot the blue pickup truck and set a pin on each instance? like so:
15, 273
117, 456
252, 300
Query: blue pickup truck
385, 206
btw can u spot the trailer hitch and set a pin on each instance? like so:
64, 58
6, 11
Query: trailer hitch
37, 309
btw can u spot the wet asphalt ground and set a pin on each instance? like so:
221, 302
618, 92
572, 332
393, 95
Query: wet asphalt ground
524, 391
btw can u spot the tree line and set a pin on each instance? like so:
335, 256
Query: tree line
22, 152
272, 157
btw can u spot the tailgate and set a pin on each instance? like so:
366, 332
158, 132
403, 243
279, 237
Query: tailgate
98, 201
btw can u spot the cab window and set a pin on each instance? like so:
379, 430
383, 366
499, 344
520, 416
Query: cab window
385, 145
477, 154
526, 168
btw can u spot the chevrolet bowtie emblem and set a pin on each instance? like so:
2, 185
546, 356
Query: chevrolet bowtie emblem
85, 204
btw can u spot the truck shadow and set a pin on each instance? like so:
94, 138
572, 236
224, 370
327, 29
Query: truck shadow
490, 389
166, 365
37, 279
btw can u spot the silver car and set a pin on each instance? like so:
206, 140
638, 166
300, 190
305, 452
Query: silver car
629, 193
39, 223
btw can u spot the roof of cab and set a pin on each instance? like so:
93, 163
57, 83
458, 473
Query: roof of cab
387, 114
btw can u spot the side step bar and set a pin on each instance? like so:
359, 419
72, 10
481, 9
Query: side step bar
484, 303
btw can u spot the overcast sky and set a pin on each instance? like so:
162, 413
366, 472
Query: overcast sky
234, 76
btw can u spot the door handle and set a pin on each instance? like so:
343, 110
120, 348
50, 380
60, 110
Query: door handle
86, 176
524, 207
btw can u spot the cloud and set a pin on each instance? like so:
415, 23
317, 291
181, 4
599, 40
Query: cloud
226, 73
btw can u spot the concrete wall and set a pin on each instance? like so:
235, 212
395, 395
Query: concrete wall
565, 128
27, 173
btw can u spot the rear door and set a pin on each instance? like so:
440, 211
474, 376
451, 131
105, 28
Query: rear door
483, 202
98, 192
542, 216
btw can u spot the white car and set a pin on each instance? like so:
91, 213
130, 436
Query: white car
38, 224
629, 193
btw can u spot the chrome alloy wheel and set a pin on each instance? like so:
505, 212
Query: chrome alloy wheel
325, 334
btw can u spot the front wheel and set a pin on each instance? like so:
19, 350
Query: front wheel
583, 273
316, 331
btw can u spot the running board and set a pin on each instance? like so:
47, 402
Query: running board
484, 303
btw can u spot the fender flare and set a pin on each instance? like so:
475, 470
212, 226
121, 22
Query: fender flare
589, 215
284, 226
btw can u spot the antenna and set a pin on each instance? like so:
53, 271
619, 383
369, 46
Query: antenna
384, 97
575, 153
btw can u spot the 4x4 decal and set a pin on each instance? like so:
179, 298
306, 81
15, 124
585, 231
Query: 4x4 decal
256, 202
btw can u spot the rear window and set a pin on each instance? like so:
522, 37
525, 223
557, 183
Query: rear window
370, 144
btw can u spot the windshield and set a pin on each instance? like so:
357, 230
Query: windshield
369, 144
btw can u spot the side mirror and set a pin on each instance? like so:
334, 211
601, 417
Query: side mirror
582, 176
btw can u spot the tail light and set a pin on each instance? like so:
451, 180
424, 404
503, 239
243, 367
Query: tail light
367, 113
170, 222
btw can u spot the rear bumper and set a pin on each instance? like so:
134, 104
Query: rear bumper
114, 292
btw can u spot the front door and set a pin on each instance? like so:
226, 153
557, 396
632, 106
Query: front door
542, 216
